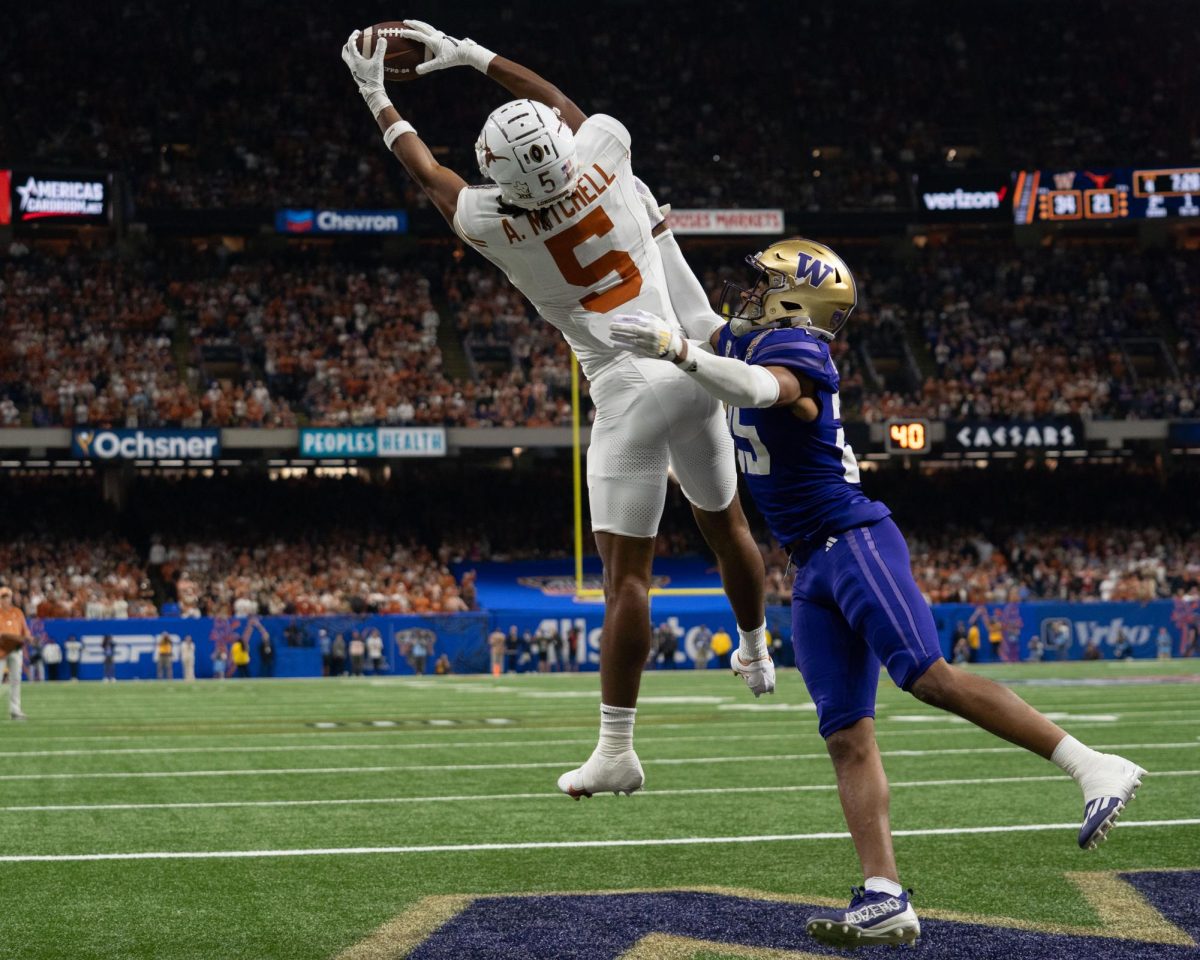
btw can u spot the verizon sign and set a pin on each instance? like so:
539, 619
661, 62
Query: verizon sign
726, 221
963, 196
962, 199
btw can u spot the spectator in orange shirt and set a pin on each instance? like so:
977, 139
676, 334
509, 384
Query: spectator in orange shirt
14, 633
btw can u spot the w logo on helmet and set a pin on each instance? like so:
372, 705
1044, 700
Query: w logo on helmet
809, 266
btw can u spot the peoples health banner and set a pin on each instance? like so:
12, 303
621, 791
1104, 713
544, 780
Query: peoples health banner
1065, 629
337, 443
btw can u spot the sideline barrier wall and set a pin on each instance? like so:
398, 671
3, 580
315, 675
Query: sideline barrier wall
1065, 630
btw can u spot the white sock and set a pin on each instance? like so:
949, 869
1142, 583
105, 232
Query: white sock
883, 885
752, 643
1073, 758
616, 730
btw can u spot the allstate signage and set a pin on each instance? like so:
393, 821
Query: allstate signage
360, 442
341, 221
146, 444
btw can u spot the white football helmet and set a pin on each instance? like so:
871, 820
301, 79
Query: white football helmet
529, 152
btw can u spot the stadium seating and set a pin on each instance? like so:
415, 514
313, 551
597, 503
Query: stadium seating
237, 131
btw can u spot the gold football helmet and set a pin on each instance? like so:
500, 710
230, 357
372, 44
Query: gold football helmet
801, 283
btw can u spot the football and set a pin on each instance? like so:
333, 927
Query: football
400, 61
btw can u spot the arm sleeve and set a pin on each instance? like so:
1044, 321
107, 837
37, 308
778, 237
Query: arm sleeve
728, 379
688, 298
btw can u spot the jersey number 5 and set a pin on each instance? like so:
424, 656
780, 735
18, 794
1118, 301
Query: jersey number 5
562, 248
755, 462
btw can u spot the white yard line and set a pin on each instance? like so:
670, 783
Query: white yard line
535, 765
543, 795
415, 727
884, 732
557, 844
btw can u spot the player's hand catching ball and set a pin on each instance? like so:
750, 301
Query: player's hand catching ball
646, 335
446, 51
367, 71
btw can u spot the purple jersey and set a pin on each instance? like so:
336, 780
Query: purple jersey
803, 476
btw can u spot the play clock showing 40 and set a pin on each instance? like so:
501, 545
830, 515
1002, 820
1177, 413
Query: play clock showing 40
906, 436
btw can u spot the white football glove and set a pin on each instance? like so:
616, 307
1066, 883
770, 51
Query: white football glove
367, 72
646, 335
656, 213
759, 674
444, 51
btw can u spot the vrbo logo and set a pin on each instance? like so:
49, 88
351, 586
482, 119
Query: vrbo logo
128, 648
1088, 631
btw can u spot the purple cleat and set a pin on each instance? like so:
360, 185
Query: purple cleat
872, 919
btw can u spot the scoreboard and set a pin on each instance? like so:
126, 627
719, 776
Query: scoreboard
1107, 193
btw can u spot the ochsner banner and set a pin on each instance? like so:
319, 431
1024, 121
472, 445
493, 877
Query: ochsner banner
947, 195
146, 444
726, 221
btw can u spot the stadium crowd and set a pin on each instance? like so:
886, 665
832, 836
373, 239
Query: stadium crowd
200, 122
247, 545
975, 332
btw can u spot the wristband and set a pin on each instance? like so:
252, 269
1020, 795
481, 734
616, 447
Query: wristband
396, 131
477, 56
377, 100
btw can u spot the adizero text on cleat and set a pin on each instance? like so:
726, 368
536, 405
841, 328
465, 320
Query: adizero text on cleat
872, 919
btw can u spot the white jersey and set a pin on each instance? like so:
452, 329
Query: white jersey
584, 258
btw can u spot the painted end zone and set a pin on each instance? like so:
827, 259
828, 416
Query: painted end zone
680, 924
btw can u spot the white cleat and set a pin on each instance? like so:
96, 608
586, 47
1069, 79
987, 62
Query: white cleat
620, 774
759, 674
18, 715
1106, 792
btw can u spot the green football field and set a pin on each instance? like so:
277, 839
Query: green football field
317, 818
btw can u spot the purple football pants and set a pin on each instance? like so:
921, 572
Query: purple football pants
855, 604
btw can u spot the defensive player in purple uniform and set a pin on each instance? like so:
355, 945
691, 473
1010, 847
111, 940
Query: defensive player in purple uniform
855, 603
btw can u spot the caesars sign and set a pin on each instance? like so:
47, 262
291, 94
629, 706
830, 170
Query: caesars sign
28, 197
146, 444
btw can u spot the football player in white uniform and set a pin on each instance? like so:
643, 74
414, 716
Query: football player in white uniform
562, 217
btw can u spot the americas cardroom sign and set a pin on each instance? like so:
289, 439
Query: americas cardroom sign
29, 197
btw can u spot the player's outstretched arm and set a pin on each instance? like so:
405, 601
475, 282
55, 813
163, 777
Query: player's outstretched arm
521, 82
735, 382
688, 299
441, 184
